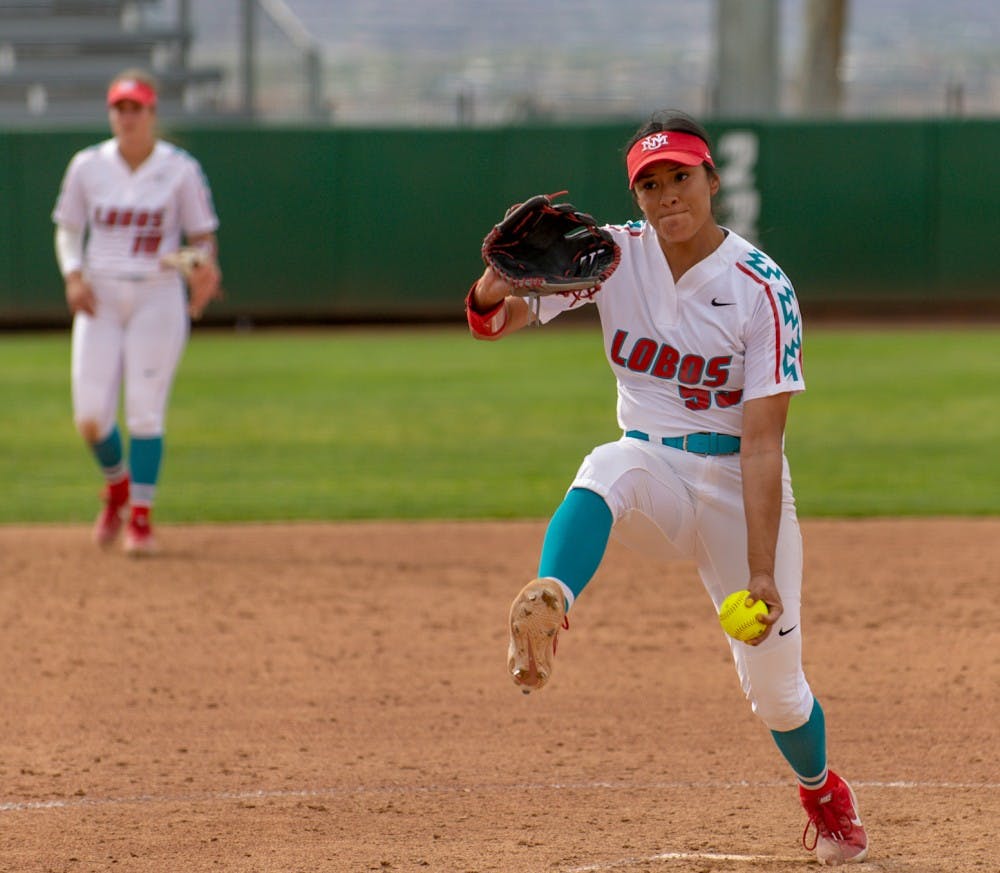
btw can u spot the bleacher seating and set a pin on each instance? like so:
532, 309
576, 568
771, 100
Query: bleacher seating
57, 57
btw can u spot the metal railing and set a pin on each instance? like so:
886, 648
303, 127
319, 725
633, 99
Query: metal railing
298, 36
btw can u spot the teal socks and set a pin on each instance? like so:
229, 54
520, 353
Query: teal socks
575, 540
145, 455
805, 748
109, 455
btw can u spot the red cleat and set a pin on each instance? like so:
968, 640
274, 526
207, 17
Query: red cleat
109, 522
139, 533
536, 615
840, 836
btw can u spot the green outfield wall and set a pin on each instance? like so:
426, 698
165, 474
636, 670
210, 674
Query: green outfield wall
387, 223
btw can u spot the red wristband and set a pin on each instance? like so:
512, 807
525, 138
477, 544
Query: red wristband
487, 324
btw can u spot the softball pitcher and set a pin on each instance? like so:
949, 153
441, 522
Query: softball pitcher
703, 333
124, 204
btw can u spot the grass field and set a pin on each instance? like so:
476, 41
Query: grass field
427, 423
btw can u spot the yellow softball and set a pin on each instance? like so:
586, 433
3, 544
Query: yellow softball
739, 620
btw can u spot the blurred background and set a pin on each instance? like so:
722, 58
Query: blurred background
857, 140
448, 62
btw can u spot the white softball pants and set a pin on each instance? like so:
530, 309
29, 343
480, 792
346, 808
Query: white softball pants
136, 336
668, 503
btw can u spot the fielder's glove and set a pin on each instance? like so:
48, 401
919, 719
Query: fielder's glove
185, 259
200, 272
542, 248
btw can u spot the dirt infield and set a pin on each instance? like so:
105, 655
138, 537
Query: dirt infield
333, 698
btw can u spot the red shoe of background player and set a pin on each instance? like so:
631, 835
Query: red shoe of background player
139, 533
833, 811
109, 522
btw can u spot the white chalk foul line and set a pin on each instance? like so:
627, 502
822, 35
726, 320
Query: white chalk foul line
330, 793
678, 856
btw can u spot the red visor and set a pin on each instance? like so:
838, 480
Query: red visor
667, 145
131, 89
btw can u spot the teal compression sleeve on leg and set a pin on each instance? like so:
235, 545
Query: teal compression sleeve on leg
109, 450
145, 455
805, 748
575, 539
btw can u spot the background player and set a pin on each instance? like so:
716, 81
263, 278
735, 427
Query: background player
124, 204
703, 334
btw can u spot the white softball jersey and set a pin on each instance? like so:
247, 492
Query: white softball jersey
133, 218
687, 355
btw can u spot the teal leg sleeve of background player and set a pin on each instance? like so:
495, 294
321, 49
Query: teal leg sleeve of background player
805, 748
109, 455
145, 455
575, 540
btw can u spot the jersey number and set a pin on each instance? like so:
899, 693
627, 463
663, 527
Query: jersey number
699, 398
146, 243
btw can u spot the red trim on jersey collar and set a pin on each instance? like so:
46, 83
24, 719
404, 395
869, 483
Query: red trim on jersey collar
131, 89
667, 145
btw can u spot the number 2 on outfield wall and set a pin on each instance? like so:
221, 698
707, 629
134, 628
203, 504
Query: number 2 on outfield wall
740, 194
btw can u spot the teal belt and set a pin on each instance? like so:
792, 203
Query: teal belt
698, 443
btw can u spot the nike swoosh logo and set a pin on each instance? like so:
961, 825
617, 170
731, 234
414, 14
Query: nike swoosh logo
782, 632
717, 303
